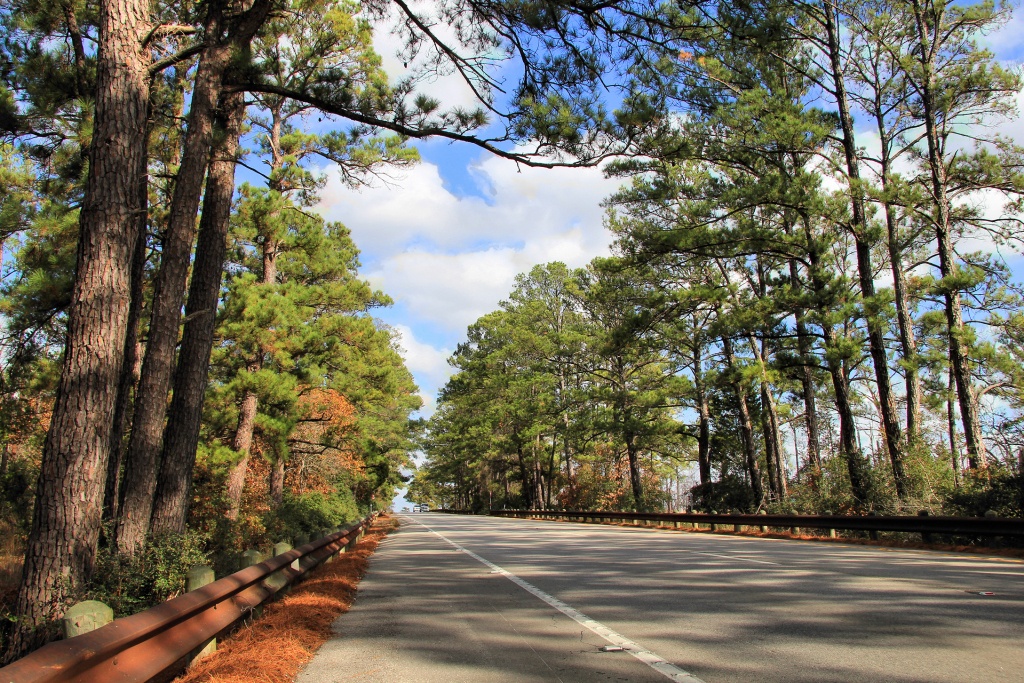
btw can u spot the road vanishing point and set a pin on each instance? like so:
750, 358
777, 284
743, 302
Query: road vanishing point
453, 599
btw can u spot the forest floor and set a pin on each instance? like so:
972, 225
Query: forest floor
287, 635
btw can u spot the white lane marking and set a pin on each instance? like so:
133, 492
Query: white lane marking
656, 662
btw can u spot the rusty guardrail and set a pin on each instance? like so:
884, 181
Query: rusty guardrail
925, 525
157, 644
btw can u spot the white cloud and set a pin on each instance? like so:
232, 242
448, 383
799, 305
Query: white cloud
525, 204
451, 259
428, 364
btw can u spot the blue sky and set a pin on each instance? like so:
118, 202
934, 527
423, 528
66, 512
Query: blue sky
446, 238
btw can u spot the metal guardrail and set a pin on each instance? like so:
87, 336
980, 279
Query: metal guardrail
157, 644
925, 525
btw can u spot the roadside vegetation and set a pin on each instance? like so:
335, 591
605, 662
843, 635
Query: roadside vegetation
807, 306
190, 364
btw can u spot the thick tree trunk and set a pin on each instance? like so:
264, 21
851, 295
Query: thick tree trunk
876, 336
129, 371
146, 443
954, 449
69, 498
181, 436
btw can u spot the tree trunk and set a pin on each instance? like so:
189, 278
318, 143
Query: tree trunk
947, 259
146, 443
277, 483
954, 452
746, 428
69, 498
704, 418
242, 444
113, 493
807, 386
855, 464
181, 436
876, 336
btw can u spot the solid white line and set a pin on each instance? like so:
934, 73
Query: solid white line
659, 664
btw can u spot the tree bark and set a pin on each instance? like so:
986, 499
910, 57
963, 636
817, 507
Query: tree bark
277, 483
704, 417
947, 259
242, 444
807, 386
746, 428
181, 436
126, 386
876, 337
146, 443
69, 497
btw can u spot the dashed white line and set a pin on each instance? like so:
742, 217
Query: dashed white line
651, 659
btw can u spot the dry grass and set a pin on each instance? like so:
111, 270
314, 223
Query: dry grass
275, 647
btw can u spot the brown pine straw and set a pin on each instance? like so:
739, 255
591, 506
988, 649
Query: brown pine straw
275, 647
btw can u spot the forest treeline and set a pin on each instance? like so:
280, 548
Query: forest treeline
190, 387
190, 364
807, 306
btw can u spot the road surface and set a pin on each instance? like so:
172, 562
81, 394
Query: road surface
452, 599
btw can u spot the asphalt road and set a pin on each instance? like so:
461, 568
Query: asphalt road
441, 604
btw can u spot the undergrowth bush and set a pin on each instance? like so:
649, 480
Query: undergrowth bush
308, 513
997, 489
157, 572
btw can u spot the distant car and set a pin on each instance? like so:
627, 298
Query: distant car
417, 507
424, 508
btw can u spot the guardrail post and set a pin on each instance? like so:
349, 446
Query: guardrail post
714, 527
86, 616
925, 536
328, 532
831, 533
873, 533
278, 580
251, 557
764, 529
196, 578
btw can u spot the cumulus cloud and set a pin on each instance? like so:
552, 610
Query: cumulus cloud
428, 364
449, 259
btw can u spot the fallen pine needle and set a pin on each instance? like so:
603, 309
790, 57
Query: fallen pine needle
275, 647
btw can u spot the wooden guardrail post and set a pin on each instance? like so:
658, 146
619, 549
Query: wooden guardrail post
873, 533
278, 580
925, 536
251, 557
196, 578
86, 616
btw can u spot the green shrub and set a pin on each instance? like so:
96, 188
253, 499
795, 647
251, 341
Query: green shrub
157, 572
308, 513
998, 489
